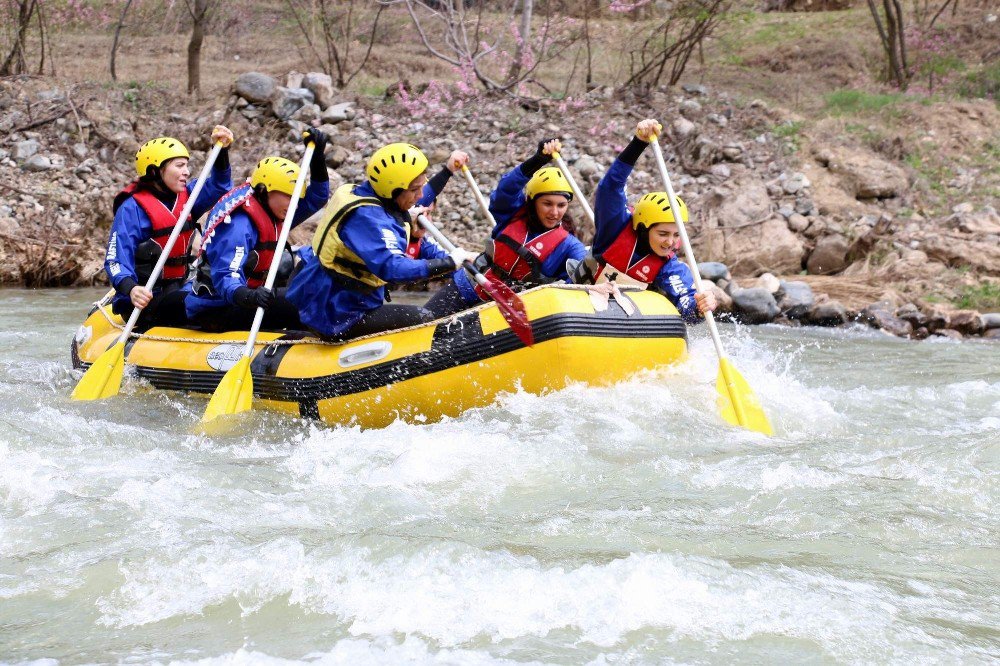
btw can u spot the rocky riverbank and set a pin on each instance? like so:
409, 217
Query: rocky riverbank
843, 225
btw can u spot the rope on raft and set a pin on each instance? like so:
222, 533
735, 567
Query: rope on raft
450, 319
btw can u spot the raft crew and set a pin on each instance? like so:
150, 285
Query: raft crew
640, 246
240, 238
532, 239
145, 213
360, 246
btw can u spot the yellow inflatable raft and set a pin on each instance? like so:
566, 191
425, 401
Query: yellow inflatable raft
418, 374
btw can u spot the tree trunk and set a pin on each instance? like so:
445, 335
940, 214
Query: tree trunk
14, 63
524, 41
114, 42
198, 14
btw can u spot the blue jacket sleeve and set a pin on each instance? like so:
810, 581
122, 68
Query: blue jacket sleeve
676, 283
226, 253
431, 250
317, 194
507, 198
377, 239
217, 184
129, 228
428, 196
611, 211
555, 265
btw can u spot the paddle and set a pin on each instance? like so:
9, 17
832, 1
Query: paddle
103, 379
572, 183
479, 195
510, 304
234, 394
737, 402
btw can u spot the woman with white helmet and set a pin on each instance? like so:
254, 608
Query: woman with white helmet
360, 247
240, 238
532, 239
145, 213
639, 246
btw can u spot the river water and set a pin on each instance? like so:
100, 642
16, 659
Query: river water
622, 525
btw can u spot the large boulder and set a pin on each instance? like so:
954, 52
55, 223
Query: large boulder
255, 87
827, 313
743, 232
321, 86
981, 256
966, 322
714, 271
991, 320
864, 174
338, 113
286, 101
882, 315
25, 149
795, 299
754, 306
830, 255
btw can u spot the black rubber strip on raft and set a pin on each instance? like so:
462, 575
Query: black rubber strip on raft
453, 346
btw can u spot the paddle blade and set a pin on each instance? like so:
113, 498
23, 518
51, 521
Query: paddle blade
103, 379
737, 402
234, 393
511, 307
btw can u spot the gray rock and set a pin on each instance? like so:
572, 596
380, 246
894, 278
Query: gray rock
795, 299
286, 101
797, 223
308, 113
992, 334
251, 112
880, 315
795, 183
37, 163
911, 313
588, 167
336, 156
827, 313
255, 87
805, 206
721, 121
79, 150
25, 149
338, 113
769, 282
829, 256
4, 154
321, 86
714, 271
690, 108
991, 320
786, 211
949, 333
754, 306
732, 152
683, 128
721, 171
967, 322
694, 89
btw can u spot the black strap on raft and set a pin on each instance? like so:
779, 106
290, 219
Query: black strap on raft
526, 256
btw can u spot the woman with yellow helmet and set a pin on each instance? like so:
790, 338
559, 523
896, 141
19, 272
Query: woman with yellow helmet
145, 213
240, 238
532, 239
640, 245
360, 246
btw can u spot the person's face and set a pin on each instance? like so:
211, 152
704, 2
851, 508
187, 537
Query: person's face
664, 239
550, 209
175, 174
409, 197
278, 202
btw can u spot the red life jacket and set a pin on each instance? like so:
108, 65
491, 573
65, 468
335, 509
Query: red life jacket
518, 259
259, 261
620, 253
413, 248
163, 220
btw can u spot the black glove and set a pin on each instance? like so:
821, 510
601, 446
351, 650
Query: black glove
440, 266
536, 161
251, 299
317, 166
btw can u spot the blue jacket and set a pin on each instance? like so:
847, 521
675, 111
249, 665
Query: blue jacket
506, 200
131, 227
612, 214
331, 307
230, 244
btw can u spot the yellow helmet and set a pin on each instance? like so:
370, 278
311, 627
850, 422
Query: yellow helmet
394, 167
654, 208
157, 151
549, 180
276, 174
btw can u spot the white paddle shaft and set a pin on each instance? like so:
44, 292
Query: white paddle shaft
174, 233
286, 228
686, 242
479, 195
576, 189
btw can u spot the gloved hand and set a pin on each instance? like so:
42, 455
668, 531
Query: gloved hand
251, 299
460, 256
540, 158
317, 165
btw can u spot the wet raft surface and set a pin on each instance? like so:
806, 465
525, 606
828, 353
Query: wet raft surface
591, 525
